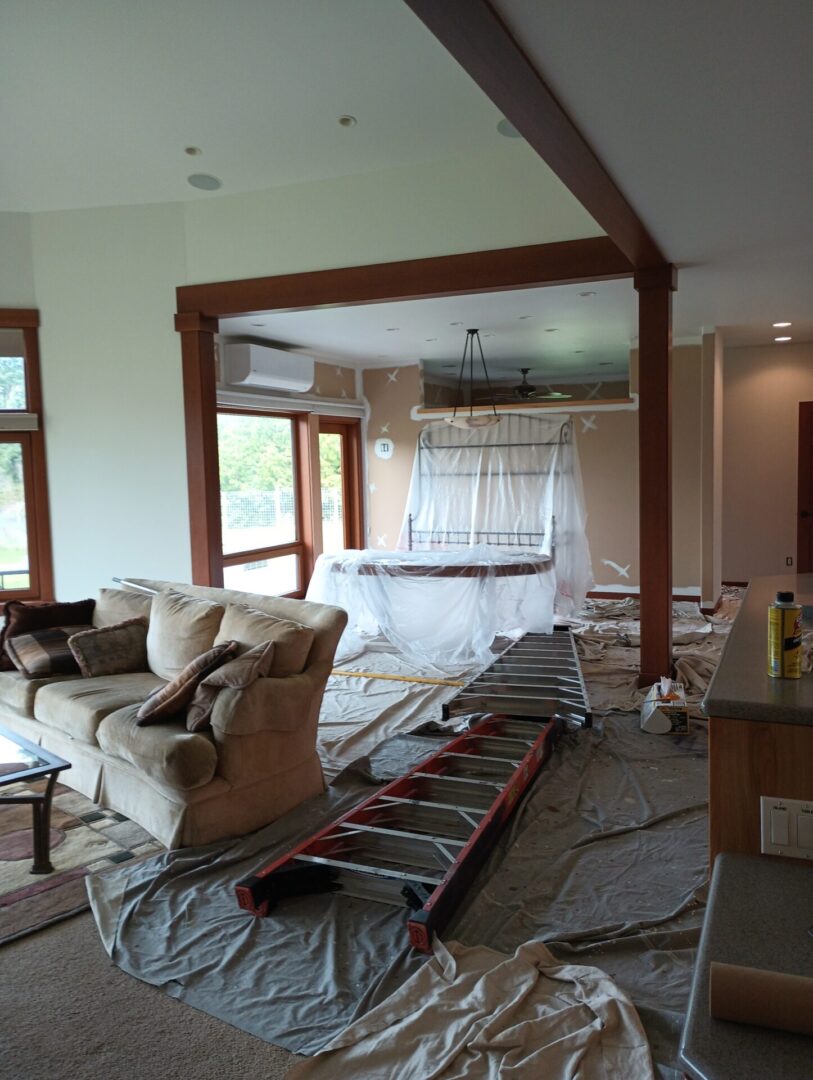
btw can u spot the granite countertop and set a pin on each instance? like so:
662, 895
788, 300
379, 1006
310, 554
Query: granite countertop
741, 687
760, 914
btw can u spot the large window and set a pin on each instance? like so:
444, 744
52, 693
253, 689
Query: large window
288, 491
25, 551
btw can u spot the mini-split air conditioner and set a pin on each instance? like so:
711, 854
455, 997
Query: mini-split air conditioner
246, 363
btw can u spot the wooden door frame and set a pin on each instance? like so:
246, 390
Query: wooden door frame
201, 306
803, 481
534, 266
349, 428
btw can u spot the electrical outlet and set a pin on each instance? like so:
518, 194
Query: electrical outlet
789, 561
786, 827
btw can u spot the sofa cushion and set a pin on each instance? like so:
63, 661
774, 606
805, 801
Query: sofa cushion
165, 752
171, 699
78, 706
118, 649
21, 618
116, 605
249, 627
181, 629
41, 653
18, 692
238, 673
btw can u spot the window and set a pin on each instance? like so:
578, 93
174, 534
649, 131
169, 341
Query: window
25, 548
269, 481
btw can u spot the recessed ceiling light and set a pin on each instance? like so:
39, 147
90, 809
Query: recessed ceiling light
455, 324
430, 339
258, 324
347, 120
524, 316
589, 292
783, 338
204, 181
781, 325
392, 329
551, 329
606, 363
193, 151
506, 128
577, 352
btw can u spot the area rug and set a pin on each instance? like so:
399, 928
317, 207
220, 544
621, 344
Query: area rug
85, 839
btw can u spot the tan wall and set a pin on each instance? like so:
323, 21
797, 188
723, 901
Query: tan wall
391, 393
333, 381
762, 388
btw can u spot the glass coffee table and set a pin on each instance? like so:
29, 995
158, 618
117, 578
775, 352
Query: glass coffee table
23, 761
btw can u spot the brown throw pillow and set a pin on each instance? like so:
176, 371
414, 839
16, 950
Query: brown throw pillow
44, 652
173, 698
22, 618
238, 673
111, 650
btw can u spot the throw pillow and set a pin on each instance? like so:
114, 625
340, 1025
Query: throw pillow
111, 650
173, 698
113, 606
181, 628
22, 617
238, 673
250, 627
44, 652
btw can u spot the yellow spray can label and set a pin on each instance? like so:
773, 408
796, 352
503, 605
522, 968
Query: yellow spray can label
785, 641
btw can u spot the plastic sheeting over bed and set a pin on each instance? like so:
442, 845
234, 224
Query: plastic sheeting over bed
441, 610
495, 527
515, 485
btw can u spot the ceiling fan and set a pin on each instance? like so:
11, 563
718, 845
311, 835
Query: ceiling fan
525, 391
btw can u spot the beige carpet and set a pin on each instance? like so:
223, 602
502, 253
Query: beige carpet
67, 1011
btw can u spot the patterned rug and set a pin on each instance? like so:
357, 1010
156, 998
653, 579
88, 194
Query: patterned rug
85, 839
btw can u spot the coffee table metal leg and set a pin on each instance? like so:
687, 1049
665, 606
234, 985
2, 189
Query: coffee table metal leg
42, 829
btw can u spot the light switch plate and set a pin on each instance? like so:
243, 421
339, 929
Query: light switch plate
772, 811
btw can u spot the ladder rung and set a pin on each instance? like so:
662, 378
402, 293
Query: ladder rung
384, 830
366, 868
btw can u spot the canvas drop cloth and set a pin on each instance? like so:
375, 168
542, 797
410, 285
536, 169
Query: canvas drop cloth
476, 1013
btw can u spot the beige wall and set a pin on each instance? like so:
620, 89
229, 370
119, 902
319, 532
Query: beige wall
762, 388
333, 381
608, 449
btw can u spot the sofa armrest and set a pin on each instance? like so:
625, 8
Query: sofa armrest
269, 704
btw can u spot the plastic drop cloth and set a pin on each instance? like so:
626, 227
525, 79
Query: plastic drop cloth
441, 610
514, 485
605, 861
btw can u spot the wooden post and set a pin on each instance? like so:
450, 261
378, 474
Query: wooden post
200, 408
655, 287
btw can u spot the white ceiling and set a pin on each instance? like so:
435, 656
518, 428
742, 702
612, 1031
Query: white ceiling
100, 97
554, 331
700, 111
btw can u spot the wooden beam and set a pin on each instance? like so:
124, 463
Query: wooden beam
594, 259
482, 44
19, 318
655, 287
200, 409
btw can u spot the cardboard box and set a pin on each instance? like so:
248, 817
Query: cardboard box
664, 710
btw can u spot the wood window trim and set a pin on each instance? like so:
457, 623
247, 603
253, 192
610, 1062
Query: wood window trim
35, 477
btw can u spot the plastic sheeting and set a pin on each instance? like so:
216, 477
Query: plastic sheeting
605, 861
515, 485
441, 610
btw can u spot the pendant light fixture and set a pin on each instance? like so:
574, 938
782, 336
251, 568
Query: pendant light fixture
471, 419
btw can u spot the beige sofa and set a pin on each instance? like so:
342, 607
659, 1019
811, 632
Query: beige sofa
256, 762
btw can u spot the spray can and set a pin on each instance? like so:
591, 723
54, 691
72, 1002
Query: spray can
785, 637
